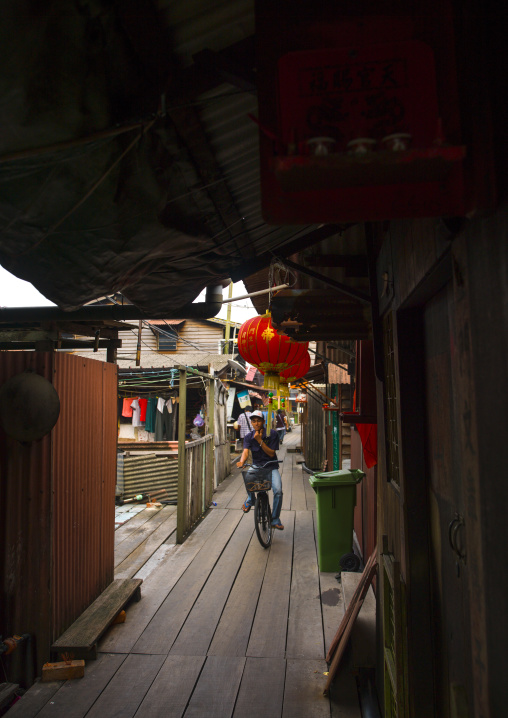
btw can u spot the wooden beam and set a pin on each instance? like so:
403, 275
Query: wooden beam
182, 479
354, 264
293, 246
339, 286
228, 69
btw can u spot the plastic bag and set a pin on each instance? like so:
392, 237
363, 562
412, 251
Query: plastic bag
198, 421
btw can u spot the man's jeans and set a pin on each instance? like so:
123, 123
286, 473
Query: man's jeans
277, 495
282, 434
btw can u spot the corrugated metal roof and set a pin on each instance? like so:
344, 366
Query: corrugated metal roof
160, 361
174, 238
161, 322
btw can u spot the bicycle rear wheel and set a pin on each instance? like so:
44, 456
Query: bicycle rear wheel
263, 519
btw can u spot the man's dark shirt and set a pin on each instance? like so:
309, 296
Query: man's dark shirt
259, 458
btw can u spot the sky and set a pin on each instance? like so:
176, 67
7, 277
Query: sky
15, 292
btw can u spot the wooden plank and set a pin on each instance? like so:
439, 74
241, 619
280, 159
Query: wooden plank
161, 632
197, 633
7, 693
363, 585
156, 559
303, 692
232, 634
63, 670
298, 499
363, 637
120, 639
126, 690
126, 529
268, 636
337, 657
217, 687
34, 699
92, 623
170, 692
237, 499
305, 624
225, 491
287, 483
140, 535
332, 605
75, 698
269, 674
142, 553
344, 700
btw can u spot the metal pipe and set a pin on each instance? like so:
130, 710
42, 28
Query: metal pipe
201, 310
255, 294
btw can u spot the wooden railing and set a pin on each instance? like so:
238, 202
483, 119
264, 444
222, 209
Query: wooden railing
195, 467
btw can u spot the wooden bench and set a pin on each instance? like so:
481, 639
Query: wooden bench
82, 637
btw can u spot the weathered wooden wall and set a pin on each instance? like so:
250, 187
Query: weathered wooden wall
447, 300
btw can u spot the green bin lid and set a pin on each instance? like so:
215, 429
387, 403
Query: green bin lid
344, 477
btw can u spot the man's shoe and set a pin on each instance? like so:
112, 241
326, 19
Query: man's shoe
246, 507
278, 525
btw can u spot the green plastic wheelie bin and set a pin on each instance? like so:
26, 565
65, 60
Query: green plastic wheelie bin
335, 502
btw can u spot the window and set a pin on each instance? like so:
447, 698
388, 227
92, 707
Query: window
167, 343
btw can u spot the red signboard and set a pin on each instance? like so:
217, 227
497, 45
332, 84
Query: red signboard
369, 92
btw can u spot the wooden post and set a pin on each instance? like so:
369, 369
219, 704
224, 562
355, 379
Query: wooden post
228, 322
181, 511
112, 347
138, 347
210, 429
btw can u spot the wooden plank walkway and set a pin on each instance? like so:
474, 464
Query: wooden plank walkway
224, 628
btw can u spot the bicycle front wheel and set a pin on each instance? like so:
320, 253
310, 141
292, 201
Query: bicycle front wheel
263, 519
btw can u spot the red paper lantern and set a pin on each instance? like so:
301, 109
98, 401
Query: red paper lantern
293, 373
260, 345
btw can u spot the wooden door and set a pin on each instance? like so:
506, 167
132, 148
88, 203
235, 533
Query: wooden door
448, 560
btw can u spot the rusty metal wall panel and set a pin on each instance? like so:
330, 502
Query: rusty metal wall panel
84, 475
25, 517
142, 474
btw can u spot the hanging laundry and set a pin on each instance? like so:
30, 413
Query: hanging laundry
161, 403
136, 413
163, 425
151, 412
127, 408
143, 403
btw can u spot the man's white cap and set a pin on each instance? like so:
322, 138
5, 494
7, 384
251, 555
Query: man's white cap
257, 413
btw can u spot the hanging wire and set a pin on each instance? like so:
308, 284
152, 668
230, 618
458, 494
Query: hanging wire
278, 274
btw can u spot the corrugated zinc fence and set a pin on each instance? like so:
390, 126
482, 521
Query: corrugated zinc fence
147, 473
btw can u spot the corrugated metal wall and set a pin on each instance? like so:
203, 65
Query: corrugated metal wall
25, 518
57, 505
315, 430
84, 475
148, 472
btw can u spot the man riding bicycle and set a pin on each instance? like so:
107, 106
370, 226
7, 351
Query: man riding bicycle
263, 449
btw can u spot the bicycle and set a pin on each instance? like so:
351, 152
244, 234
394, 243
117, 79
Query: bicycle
260, 482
